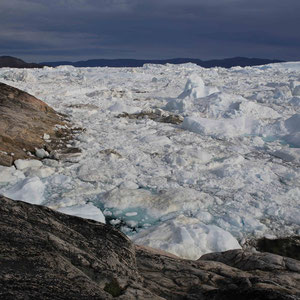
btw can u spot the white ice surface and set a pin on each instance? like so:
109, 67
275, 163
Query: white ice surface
29, 190
187, 238
10, 174
221, 127
87, 211
22, 164
231, 168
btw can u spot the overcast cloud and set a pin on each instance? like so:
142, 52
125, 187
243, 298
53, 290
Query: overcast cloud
43, 30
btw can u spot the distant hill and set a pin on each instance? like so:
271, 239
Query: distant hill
13, 62
225, 63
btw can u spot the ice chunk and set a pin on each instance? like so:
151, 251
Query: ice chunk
222, 127
41, 172
258, 141
66, 68
293, 139
129, 185
10, 174
41, 153
257, 111
60, 180
188, 157
220, 105
87, 211
22, 164
156, 140
223, 105
296, 91
292, 124
204, 216
131, 214
194, 89
187, 238
288, 154
30, 190
295, 101
46, 136
120, 108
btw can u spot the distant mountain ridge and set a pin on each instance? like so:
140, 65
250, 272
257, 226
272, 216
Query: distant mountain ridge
13, 62
225, 63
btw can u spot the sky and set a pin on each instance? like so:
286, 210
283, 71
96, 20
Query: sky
52, 30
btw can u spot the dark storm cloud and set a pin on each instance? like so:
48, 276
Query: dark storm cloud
79, 29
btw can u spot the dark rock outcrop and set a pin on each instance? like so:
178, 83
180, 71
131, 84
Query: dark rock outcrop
287, 246
48, 255
13, 62
167, 118
23, 123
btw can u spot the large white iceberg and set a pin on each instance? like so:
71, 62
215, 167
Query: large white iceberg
187, 238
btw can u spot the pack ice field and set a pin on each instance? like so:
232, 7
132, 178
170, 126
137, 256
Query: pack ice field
180, 158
